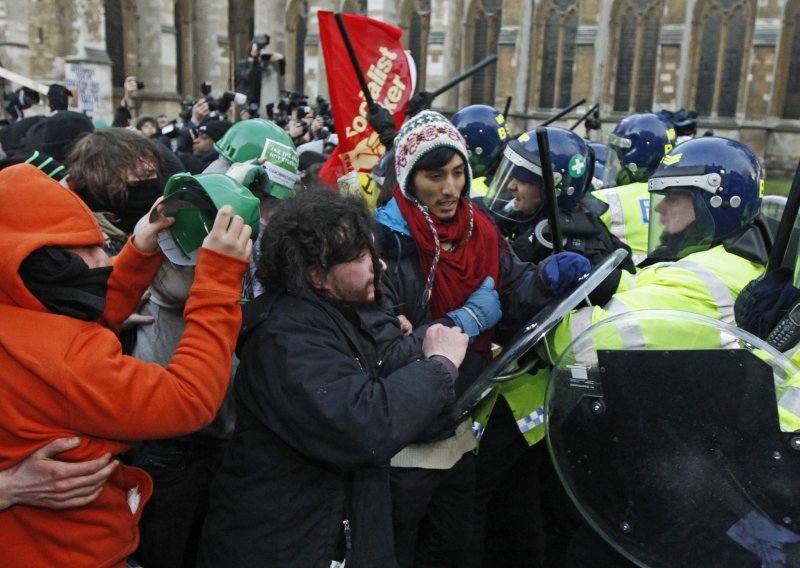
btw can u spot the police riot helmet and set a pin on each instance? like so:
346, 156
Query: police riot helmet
600, 155
636, 147
703, 191
486, 133
193, 200
573, 164
249, 140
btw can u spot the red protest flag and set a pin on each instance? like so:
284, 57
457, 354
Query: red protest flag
389, 73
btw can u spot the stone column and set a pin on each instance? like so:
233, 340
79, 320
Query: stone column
270, 19
149, 55
87, 68
210, 46
15, 53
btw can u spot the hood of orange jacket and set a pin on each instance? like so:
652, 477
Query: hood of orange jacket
36, 211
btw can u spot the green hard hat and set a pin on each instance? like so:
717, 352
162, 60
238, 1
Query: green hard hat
249, 140
194, 201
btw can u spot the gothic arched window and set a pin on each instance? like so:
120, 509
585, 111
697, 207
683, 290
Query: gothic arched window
637, 24
297, 28
791, 101
415, 21
721, 36
485, 24
560, 28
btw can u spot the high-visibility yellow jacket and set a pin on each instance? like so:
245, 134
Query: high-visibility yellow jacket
628, 215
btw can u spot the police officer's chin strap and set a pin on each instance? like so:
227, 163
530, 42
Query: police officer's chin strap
753, 242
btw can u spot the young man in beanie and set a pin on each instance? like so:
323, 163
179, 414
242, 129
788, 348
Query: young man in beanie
212, 130
442, 254
64, 374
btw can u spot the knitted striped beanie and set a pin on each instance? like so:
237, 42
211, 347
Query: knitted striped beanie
419, 135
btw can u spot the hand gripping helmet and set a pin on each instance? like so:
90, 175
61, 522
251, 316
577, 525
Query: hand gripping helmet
635, 148
194, 202
573, 164
486, 134
703, 191
248, 140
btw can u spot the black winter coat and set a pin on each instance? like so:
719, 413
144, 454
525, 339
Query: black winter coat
317, 424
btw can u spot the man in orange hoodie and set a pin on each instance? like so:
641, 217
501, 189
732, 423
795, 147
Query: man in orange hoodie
64, 374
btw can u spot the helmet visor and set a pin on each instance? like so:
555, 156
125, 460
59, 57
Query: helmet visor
516, 193
680, 224
614, 172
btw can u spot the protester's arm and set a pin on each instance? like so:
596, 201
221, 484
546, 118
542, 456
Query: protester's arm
42, 481
134, 268
129, 87
323, 402
114, 396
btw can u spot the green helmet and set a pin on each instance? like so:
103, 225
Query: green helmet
248, 140
194, 202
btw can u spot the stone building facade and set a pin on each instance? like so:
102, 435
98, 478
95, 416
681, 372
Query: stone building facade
735, 61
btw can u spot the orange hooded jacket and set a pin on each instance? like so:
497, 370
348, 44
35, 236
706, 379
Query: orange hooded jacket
63, 377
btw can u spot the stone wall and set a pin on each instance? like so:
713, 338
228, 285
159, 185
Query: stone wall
175, 45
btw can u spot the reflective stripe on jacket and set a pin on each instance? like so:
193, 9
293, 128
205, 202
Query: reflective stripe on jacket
627, 216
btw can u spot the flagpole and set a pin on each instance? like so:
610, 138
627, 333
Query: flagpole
353, 59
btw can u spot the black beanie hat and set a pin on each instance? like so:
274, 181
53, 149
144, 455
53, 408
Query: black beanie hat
61, 130
215, 128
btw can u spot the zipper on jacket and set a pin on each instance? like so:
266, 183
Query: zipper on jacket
348, 537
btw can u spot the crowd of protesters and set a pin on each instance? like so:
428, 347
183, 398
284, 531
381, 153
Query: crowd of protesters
325, 436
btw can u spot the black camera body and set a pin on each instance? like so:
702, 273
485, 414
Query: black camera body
140, 85
185, 113
171, 129
291, 100
324, 110
260, 41
223, 104
20, 100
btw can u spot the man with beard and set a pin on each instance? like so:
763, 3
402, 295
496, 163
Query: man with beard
328, 389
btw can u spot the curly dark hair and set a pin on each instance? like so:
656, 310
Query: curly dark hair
316, 228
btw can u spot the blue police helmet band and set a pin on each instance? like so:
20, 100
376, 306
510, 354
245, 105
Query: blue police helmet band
619, 141
521, 162
524, 174
669, 178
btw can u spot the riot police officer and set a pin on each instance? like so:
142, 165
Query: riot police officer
635, 148
510, 458
486, 134
708, 242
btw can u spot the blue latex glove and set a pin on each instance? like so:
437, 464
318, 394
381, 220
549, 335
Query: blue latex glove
562, 270
480, 312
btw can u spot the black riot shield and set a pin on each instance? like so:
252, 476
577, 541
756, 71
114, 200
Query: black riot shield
672, 449
527, 337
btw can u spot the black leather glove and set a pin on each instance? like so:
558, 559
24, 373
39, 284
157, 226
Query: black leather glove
419, 102
383, 122
764, 301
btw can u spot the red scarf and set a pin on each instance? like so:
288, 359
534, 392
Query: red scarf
461, 271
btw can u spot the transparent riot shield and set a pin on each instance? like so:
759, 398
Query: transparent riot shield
772, 207
504, 366
664, 429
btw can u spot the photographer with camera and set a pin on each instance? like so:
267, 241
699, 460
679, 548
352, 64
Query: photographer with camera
259, 75
129, 105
